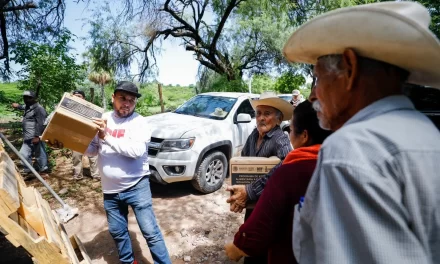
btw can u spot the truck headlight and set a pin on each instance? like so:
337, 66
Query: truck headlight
177, 144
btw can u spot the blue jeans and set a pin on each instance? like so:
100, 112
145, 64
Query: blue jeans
140, 200
27, 148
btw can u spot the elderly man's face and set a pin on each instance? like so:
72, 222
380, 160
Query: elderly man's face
330, 95
266, 118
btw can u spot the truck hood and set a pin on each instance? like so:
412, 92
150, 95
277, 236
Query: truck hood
172, 125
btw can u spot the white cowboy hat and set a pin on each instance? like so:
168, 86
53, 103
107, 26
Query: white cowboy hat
393, 32
271, 99
219, 112
296, 92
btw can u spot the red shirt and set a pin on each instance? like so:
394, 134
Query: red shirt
269, 228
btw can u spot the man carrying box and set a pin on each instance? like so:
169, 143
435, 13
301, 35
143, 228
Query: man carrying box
122, 149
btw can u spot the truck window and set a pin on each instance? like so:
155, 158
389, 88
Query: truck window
246, 108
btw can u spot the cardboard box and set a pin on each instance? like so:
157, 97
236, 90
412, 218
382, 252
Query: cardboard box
245, 170
72, 123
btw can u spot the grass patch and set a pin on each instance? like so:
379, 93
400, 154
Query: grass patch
9, 93
173, 97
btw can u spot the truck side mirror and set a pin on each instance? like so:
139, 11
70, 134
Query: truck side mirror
243, 118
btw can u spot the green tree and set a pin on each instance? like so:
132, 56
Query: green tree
261, 83
238, 36
27, 20
288, 82
49, 70
434, 9
210, 80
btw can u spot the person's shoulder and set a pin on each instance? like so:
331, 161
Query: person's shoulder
138, 118
39, 106
277, 131
345, 144
294, 173
279, 134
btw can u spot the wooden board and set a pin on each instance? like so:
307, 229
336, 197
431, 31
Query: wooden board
27, 220
17, 174
28, 228
84, 253
40, 249
52, 233
8, 184
68, 245
33, 218
27, 196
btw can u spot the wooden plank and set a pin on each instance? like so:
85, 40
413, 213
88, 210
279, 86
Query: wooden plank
40, 249
8, 182
28, 228
73, 242
12, 240
14, 217
84, 253
54, 222
33, 217
5, 208
70, 251
52, 234
27, 196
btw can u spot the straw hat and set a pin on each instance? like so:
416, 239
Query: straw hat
271, 99
393, 32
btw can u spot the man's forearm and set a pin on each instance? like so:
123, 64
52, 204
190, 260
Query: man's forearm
255, 188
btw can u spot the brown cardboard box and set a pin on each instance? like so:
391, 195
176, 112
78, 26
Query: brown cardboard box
245, 170
72, 123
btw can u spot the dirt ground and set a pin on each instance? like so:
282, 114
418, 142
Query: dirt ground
195, 226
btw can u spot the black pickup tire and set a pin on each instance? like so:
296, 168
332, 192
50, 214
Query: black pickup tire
211, 173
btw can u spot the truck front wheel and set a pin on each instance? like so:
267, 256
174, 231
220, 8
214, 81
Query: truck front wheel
211, 173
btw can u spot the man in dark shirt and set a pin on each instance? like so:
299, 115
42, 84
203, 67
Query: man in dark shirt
33, 126
266, 140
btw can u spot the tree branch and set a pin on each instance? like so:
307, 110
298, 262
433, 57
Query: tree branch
211, 66
229, 8
26, 6
5, 41
180, 20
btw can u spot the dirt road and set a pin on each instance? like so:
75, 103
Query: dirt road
195, 226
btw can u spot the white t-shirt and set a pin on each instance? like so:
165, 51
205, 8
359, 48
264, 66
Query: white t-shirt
123, 155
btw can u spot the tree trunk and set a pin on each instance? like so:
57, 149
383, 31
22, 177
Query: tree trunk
162, 108
92, 95
37, 89
104, 100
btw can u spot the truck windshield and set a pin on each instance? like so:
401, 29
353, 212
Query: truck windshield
207, 106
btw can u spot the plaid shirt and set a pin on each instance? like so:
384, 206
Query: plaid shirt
275, 143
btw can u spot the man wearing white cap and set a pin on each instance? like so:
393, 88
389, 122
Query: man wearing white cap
374, 196
296, 98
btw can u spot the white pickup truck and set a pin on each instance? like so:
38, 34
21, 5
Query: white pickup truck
196, 141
